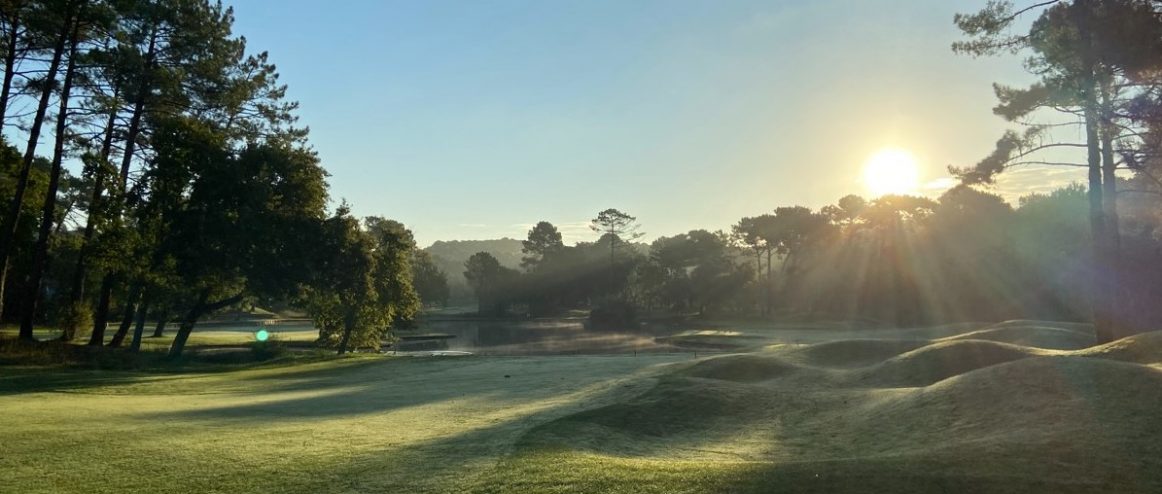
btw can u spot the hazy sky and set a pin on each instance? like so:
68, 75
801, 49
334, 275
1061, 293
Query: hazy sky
474, 119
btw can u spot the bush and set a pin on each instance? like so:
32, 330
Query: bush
266, 350
74, 320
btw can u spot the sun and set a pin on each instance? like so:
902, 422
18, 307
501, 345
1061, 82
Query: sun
891, 171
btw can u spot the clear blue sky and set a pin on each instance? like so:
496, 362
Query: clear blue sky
474, 119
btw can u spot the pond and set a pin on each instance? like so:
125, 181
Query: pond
522, 337
483, 336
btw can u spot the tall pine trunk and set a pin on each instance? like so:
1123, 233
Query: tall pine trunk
139, 324
162, 319
8, 229
187, 324
130, 310
9, 66
199, 309
80, 269
1102, 286
1103, 317
48, 212
1113, 243
131, 135
134, 129
758, 275
101, 315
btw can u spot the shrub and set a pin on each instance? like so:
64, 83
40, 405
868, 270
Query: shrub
74, 320
266, 350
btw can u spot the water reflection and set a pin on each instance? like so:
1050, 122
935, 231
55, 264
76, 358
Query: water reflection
563, 336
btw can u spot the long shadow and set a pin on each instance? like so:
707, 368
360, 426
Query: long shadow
298, 375
394, 384
448, 463
21, 381
502, 457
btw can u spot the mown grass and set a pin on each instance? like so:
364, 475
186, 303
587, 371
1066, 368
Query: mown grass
920, 413
202, 337
362, 424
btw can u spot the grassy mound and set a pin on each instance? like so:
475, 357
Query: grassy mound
741, 368
674, 406
1042, 412
959, 414
1145, 348
1047, 337
668, 420
939, 361
852, 353
1077, 327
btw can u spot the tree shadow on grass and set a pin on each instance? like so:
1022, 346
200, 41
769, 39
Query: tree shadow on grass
153, 368
393, 384
20, 381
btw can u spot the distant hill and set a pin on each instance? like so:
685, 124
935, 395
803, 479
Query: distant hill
505, 250
449, 256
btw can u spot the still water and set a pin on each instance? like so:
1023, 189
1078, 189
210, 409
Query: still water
490, 337
555, 336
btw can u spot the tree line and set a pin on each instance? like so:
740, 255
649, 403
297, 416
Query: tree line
967, 255
896, 260
197, 189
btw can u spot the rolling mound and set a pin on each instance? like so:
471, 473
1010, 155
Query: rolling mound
1050, 338
976, 413
852, 353
1145, 348
675, 409
740, 368
939, 361
1077, 327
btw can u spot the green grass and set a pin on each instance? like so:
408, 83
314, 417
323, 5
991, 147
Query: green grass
206, 337
918, 411
367, 423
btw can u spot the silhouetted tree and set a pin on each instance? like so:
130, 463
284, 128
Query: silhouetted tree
543, 240
483, 274
430, 282
616, 227
1086, 54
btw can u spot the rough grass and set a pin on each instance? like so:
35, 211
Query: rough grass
921, 410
